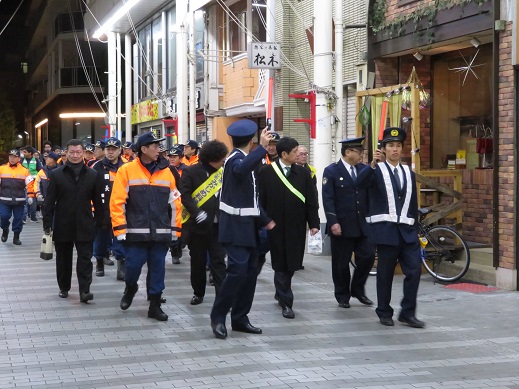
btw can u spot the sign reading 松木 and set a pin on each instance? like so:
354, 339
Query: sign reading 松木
264, 55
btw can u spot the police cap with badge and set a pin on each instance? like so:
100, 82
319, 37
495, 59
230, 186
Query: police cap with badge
113, 142
175, 151
242, 130
14, 152
393, 134
52, 155
127, 145
354, 143
101, 144
147, 138
275, 137
192, 143
89, 147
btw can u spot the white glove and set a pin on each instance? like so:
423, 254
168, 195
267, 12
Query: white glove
30, 200
121, 237
174, 237
40, 198
201, 217
28, 180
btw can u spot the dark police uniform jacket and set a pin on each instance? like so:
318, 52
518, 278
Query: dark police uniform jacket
106, 172
240, 213
391, 213
344, 201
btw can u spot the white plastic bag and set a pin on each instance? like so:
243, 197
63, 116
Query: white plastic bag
315, 243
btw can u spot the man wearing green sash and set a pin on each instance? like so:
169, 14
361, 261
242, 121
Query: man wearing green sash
288, 195
200, 188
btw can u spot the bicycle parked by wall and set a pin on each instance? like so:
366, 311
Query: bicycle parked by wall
444, 253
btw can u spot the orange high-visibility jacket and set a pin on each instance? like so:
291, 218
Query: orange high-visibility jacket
190, 161
140, 201
13, 180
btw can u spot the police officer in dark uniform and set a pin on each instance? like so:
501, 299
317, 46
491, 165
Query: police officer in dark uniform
393, 219
344, 205
240, 217
106, 171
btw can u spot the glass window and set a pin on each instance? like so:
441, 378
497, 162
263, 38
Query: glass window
199, 44
157, 56
83, 129
145, 62
66, 131
236, 38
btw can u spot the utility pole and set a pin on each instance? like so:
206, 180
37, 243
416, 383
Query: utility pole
270, 83
192, 76
323, 65
112, 83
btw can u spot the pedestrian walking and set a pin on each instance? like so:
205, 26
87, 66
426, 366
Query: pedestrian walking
200, 189
146, 216
106, 170
13, 181
67, 215
287, 193
344, 205
392, 216
240, 217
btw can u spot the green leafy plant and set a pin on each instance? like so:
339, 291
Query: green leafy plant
395, 27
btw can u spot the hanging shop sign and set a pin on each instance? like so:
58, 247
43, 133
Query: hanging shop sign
264, 55
145, 111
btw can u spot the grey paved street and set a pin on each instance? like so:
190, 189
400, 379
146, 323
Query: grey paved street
471, 339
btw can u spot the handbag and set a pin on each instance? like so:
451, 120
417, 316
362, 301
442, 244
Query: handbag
46, 247
315, 243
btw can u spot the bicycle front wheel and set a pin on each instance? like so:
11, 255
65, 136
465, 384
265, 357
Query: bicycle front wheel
447, 256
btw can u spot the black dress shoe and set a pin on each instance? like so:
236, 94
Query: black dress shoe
288, 313
219, 330
85, 297
248, 328
411, 321
196, 300
387, 321
344, 305
364, 300
63, 294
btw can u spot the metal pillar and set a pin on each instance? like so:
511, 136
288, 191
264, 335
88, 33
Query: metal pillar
182, 73
192, 77
339, 87
112, 82
128, 87
323, 60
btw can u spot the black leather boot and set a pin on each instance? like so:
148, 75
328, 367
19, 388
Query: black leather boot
100, 268
154, 311
16, 239
129, 293
121, 269
5, 234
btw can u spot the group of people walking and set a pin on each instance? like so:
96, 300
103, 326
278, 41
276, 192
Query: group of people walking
138, 203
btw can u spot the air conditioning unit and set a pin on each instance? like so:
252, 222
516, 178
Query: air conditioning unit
362, 76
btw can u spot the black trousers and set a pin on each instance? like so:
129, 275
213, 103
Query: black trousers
342, 250
200, 247
283, 284
408, 255
83, 265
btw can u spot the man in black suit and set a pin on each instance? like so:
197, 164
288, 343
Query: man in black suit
288, 195
71, 193
345, 207
200, 189
393, 219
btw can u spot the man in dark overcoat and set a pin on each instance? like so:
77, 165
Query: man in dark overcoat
200, 189
345, 208
288, 195
67, 214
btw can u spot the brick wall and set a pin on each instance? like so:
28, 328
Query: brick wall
506, 203
393, 9
240, 83
478, 205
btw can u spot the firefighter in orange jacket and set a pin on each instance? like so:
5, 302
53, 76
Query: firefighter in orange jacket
146, 215
13, 179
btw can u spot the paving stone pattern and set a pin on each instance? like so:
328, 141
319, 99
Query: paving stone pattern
471, 340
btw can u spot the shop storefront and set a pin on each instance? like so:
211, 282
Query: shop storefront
460, 59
